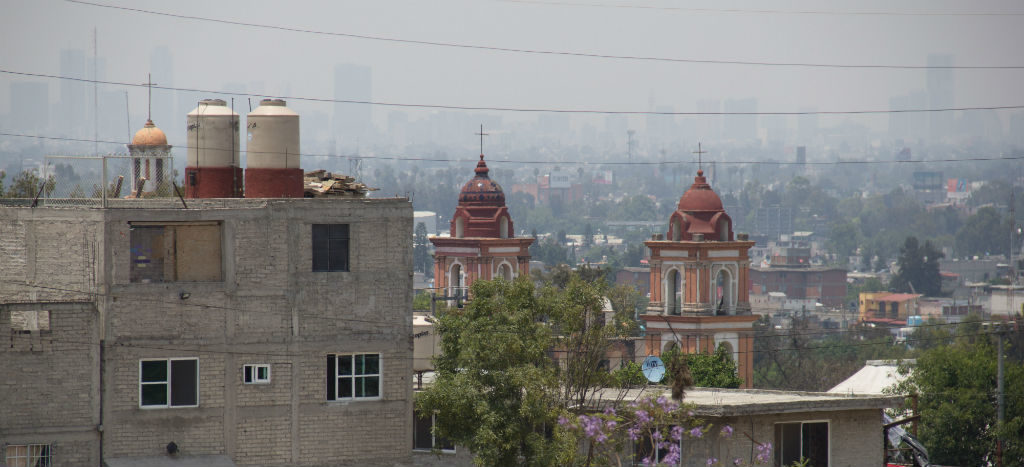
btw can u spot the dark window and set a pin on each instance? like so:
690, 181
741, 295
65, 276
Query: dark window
423, 438
356, 376
330, 247
794, 441
169, 383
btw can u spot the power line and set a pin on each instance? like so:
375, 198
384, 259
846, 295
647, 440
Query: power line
539, 51
765, 11
562, 162
517, 109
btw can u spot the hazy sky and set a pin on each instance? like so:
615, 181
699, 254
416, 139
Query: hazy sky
209, 55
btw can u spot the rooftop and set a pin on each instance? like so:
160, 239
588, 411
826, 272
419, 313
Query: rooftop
731, 402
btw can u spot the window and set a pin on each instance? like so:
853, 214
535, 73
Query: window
330, 247
804, 439
353, 376
256, 374
187, 252
170, 382
25, 322
423, 437
28, 455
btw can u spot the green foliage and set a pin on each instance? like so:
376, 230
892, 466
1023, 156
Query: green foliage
871, 284
27, 185
498, 390
957, 404
630, 374
549, 251
918, 269
421, 301
976, 236
716, 370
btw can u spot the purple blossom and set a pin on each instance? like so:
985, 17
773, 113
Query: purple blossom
677, 433
609, 411
727, 431
656, 435
563, 421
610, 424
672, 458
634, 433
737, 461
642, 417
647, 461
764, 452
712, 461
696, 432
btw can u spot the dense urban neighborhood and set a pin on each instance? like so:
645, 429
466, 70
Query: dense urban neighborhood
299, 269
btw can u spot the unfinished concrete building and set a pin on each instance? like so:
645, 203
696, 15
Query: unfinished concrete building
232, 332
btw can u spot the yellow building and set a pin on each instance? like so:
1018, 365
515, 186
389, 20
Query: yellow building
888, 305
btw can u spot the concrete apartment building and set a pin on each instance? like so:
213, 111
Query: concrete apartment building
243, 331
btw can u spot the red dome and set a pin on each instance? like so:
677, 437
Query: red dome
700, 211
700, 197
481, 211
481, 190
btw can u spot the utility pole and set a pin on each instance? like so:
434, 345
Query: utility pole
1000, 399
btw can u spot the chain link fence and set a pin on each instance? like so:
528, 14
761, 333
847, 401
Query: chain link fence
93, 180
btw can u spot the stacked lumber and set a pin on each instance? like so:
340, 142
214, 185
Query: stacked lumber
319, 183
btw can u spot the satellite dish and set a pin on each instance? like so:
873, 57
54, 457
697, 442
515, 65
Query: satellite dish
653, 368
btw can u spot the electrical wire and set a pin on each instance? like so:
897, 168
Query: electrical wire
538, 51
765, 11
559, 162
516, 109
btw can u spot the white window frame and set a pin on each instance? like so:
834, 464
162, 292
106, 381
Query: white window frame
167, 382
828, 423
354, 377
433, 438
254, 371
30, 449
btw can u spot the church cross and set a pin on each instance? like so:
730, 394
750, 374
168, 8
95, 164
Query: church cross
699, 153
149, 85
482, 134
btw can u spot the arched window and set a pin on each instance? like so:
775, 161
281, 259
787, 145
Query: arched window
723, 293
456, 282
460, 227
505, 272
674, 294
503, 227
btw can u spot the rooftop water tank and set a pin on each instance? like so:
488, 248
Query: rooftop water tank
273, 154
213, 169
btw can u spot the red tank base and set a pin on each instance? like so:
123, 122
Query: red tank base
213, 182
273, 183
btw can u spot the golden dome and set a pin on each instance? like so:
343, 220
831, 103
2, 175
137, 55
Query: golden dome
150, 135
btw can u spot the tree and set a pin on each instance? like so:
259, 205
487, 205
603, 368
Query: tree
843, 240
498, 391
27, 185
982, 234
918, 269
957, 403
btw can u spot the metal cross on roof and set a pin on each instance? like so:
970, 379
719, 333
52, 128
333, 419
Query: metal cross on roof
482, 134
699, 153
149, 85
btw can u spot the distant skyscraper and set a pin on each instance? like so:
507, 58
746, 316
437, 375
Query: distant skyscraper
352, 122
709, 127
75, 96
940, 96
30, 106
740, 127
